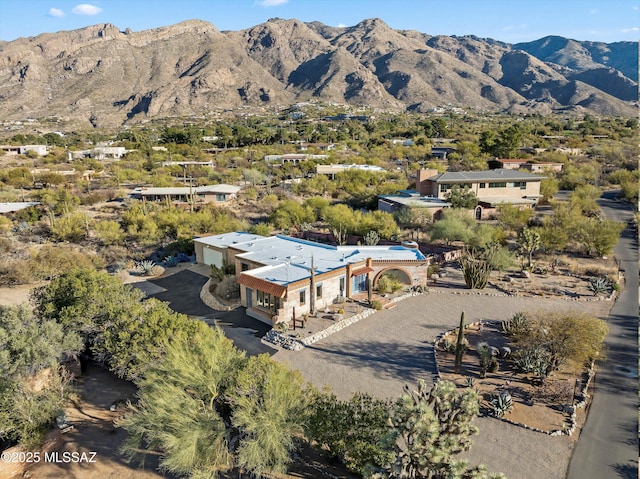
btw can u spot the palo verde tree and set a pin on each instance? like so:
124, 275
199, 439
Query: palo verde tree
208, 408
31, 349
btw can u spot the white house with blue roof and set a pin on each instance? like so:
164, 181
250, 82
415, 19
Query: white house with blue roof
281, 276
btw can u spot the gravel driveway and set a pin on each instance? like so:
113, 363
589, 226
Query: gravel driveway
383, 352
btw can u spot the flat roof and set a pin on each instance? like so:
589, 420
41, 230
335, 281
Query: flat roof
228, 239
489, 175
185, 190
17, 206
416, 202
287, 260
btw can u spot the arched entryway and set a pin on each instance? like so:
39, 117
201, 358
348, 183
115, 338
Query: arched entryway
478, 212
402, 275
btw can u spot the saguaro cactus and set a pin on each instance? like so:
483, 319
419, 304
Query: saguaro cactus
460, 345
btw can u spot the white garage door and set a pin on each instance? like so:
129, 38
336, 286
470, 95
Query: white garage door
211, 256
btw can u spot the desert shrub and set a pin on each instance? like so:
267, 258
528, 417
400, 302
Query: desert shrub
181, 246
377, 305
94, 197
13, 272
5, 223
554, 392
50, 261
228, 288
389, 283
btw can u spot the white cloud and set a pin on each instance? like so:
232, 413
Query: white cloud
86, 9
593, 11
635, 7
341, 25
56, 12
270, 3
633, 29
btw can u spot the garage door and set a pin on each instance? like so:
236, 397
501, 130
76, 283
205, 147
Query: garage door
211, 256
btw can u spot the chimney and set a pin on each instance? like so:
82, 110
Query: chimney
423, 187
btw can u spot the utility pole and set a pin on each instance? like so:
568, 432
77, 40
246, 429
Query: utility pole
312, 295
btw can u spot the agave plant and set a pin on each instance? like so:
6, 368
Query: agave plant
598, 285
502, 404
145, 266
517, 325
171, 261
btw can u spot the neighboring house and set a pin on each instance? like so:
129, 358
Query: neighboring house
16, 206
275, 273
319, 146
411, 199
492, 187
41, 150
294, 158
221, 194
101, 153
333, 170
401, 141
534, 167
441, 152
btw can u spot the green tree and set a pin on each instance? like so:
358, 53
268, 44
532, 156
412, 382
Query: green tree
548, 188
31, 349
268, 403
72, 228
462, 197
584, 199
109, 232
568, 338
598, 237
179, 408
350, 430
454, 225
207, 408
291, 213
513, 217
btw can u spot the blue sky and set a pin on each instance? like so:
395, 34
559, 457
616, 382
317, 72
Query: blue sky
510, 21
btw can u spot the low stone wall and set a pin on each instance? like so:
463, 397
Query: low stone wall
208, 299
334, 328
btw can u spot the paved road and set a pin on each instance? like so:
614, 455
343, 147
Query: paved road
608, 443
182, 292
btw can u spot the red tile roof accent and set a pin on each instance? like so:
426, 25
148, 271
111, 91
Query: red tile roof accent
262, 285
359, 271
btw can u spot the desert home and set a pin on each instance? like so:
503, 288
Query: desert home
219, 194
281, 277
491, 187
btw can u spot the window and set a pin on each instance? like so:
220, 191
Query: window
319, 291
303, 296
244, 267
221, 197
268, 301
502, 184
482, 185
444, 188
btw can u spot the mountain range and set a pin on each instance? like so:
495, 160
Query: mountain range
105, 76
